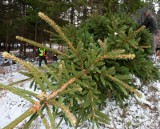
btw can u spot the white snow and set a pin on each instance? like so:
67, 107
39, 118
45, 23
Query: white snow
140, 113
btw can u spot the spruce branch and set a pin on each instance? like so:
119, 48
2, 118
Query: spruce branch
32, 118
19, 119
38, 75
34, 71
121, 56
78, 89
60, 73
145, 47
92, 105
133, 34
44, 78
125, 85
39, 45
37, 108
102, 46
50, 32
137, 31
51, 72
51, 118
60, 32
65, 109
63, 87
20, 92
17, 82
44, 120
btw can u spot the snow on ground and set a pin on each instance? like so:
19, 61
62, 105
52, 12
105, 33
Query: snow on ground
139, 113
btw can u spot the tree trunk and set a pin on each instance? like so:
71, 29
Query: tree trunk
72, 15
7, 44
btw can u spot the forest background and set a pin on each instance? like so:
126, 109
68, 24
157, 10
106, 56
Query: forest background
19, 17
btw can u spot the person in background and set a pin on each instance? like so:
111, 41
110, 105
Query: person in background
150, 22
42, 55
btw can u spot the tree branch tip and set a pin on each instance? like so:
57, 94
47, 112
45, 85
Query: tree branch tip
40, 14
19, 37
5, 54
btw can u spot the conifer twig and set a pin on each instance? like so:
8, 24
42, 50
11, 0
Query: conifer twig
126, 86
34, 71
60, 32
133, 34
102, 46
145, 46
72, 118
39, 45
17, 82
22, 93
44, 120
19, 119
38, 75
51, 117
64, 86
50, 32
122, 56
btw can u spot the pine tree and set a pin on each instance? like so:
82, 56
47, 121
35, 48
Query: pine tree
99, 60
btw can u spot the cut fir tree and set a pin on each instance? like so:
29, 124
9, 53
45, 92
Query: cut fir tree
99, 61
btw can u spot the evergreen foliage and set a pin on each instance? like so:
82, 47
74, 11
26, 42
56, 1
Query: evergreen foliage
101, 56
119, 32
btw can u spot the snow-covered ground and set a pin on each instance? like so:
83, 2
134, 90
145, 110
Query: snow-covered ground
138, 114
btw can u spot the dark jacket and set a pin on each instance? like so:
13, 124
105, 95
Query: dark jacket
151, 23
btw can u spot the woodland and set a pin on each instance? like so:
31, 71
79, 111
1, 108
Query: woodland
19, 17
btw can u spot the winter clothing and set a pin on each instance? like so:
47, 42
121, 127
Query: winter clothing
42, 55
151, 23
